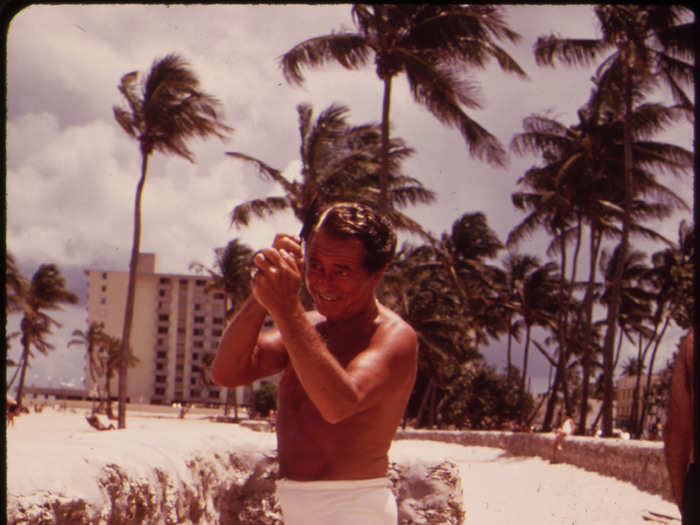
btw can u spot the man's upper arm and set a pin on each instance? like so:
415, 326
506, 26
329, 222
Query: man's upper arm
387, 365
269, 355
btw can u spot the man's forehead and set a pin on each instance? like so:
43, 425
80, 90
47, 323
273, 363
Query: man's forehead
323, 243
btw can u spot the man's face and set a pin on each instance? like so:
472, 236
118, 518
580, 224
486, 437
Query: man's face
336, 276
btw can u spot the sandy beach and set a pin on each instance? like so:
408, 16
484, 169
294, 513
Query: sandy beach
43, 450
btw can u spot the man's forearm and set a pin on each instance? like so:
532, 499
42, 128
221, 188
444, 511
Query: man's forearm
232, 364
325, 381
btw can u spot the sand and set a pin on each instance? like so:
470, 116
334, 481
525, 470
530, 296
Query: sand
43, 449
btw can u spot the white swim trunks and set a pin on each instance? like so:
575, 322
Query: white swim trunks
351, 502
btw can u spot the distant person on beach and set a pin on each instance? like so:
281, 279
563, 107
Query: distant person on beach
348, 366
566, 429
678, 437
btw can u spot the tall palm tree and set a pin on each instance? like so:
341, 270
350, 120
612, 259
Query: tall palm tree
427, 42
648, 42
93, 339
339, 162
163, 113
46, 291
111, 357
516, 267
231, 274
538, 300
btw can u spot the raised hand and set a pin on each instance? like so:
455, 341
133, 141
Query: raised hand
277, 274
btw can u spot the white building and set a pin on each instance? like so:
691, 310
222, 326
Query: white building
177, 323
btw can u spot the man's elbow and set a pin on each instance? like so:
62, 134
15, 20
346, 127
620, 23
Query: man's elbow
221, 377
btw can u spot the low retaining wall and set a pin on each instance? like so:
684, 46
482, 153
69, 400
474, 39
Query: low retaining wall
642, 463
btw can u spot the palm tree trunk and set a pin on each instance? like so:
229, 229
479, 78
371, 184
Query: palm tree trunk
25, 362
526, 357
588, 329
509, 347
384, 173
131, 294
108, 395
14, 376
650, 373
614, 306
551, 402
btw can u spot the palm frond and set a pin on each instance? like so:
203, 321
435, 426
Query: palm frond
571, 51
350, 50
240, 215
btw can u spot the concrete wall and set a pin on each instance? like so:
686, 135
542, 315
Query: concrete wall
639, 462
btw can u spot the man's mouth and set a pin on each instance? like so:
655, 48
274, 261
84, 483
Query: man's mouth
329, 298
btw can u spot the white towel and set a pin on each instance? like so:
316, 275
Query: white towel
345, 502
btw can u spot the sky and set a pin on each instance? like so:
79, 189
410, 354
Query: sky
72, 171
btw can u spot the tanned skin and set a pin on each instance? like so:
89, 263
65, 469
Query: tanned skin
678, 436
348, 366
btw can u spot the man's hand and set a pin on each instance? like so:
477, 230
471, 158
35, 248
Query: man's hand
278, 273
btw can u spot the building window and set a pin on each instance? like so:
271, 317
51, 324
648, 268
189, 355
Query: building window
198, 318
183, 281
103, 301
180, 368
219, 295
197, 307
163, 317
198, 344
216, 333
161, 293
161, 379
214, 394
181, 330
218, 320
200, 282
195, 356
160, 391
104, 288
164, 280
159, 366
161, 355
162, 329
198, 331
104, 275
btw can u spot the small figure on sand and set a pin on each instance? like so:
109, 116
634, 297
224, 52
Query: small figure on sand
97, 424
566, 429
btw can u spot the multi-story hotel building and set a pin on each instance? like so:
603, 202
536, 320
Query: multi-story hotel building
177, 323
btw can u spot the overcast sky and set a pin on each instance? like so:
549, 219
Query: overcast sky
72, 171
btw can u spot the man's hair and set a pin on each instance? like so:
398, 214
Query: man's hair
356, 221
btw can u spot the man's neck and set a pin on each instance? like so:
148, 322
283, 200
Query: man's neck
359, 320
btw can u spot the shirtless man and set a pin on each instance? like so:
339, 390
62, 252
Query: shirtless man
348, 366
678, 437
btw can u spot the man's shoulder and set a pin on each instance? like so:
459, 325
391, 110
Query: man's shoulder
392, 324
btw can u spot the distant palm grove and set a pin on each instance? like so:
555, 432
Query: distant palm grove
596, 186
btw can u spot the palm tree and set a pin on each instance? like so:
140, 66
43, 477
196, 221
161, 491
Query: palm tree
46, 291
339, 162
163, 114
112, 356
538, 301
93, 339
427, 42
231, 274
647, 42
516, 267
